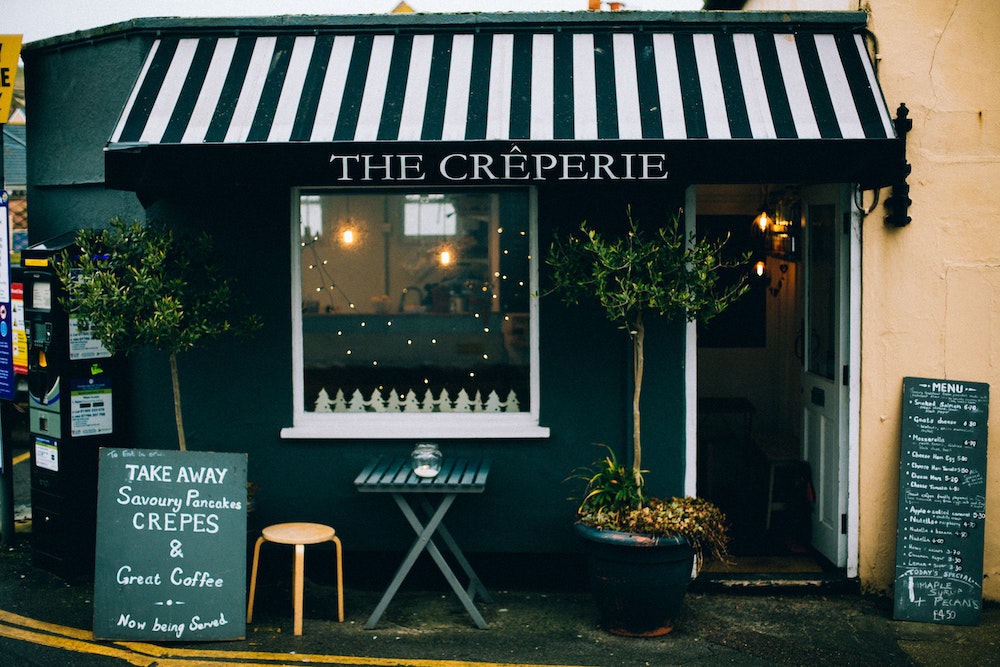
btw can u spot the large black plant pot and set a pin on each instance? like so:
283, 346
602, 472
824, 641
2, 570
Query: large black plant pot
638, 582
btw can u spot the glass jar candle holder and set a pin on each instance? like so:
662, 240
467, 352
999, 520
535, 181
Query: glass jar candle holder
426, 459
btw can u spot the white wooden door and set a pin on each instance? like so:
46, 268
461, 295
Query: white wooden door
825, 348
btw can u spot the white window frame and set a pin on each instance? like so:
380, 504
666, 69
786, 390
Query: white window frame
411, 426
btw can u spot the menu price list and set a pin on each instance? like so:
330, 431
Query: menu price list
942, 501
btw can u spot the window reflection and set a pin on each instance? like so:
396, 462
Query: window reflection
415, 302
429, 215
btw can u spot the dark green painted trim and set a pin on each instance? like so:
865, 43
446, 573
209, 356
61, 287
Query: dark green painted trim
529, 22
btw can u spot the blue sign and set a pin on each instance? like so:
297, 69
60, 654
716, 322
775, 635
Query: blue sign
8, 381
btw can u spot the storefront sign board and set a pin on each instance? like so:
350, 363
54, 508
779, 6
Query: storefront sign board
171, 546
494, 162
511, 165
942, 502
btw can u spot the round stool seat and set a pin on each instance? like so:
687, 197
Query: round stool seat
298, 533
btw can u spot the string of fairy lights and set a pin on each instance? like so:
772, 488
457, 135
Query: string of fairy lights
473, 297
327, 283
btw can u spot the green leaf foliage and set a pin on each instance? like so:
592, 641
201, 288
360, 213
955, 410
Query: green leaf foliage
612, 490
615, 499
665, 273
662, 272
135, 285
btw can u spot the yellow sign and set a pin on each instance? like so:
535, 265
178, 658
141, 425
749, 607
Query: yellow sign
10, 51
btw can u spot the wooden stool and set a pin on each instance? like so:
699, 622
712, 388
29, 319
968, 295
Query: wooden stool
781, 452
298, 534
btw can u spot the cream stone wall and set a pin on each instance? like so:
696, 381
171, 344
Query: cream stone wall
931, 290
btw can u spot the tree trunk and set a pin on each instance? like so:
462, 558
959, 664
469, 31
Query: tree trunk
175, 380
638, 337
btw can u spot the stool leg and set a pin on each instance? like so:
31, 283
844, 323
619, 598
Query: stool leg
298, 577
253, 578
340, 580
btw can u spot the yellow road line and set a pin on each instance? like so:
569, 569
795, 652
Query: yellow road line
167, 653
25, 622
142, 654
69, 644
21, 458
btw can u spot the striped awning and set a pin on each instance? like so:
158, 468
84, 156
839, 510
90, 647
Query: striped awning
517, 86
715, 101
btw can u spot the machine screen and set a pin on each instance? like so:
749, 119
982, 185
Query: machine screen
41, 295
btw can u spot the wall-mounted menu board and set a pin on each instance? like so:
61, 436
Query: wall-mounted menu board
171, 545
942, 502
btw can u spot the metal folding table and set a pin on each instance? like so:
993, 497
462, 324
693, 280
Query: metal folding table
396, 477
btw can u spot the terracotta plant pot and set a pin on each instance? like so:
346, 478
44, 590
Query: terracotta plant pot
638, 582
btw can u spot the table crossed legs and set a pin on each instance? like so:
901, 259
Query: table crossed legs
425, 541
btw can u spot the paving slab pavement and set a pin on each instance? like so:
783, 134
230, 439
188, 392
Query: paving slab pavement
429, 628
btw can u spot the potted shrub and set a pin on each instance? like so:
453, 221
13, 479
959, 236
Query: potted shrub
669, 274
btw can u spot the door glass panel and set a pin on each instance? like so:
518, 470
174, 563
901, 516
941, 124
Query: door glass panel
822, 290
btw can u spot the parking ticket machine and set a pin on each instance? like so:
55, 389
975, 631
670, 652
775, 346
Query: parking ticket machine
71, 412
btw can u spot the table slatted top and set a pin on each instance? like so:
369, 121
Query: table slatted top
395, 475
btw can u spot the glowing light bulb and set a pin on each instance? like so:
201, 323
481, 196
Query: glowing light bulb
445, 257
762, 221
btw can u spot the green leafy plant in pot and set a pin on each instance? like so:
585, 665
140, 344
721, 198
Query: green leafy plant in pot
670, 274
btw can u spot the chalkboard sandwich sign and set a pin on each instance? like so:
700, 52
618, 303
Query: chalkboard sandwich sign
942, 502
171, 545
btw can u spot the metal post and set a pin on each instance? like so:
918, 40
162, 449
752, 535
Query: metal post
6, 456
6, 482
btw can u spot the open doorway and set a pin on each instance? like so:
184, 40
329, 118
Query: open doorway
771, 378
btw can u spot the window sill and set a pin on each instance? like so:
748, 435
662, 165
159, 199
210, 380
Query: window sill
369, 426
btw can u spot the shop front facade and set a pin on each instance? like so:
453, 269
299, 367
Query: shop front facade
383, 191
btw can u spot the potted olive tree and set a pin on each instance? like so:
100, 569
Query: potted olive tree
137, 285
663, 273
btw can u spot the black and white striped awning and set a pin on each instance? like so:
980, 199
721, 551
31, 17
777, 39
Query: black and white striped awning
505, 86
714, 95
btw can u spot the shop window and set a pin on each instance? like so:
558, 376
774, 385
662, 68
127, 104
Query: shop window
416, 315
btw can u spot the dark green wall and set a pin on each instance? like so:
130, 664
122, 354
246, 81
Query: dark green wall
74, 95
237, 392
